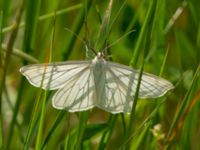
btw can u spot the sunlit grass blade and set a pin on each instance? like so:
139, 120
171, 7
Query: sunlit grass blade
175, 16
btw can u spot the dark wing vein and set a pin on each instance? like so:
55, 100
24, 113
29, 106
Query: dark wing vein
151, 86
116, 96
56, 74
77, 94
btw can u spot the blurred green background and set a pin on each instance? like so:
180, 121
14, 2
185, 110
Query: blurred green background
164, 34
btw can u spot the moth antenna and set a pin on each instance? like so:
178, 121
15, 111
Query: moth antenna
76, 35
87, 36
117, 15
85, 42
119, 39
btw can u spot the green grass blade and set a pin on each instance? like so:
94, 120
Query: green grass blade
164, 63
15, 112
132, 115
183, 107
1, 136
32, 14
46, 16
6, 64
141, 38
83, 117
41, 109
1, 22
139, 143
10, 47
198, 38
6, 9
166, 37
21, 54
106, 136
33, 121
176, 15
141, 127
41, 123
78, 23
55, 125
104, 29
1, 117
94, 129
68, 145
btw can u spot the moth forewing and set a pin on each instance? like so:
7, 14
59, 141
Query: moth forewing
149, 82
56, 74
40, 75
153, 86
77, 94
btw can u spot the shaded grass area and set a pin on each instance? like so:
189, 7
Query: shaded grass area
163, 36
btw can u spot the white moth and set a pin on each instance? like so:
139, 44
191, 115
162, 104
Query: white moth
83, 85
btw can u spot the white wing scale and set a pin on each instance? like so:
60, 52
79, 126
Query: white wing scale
120, 87
78, 94
56, 74
111, 86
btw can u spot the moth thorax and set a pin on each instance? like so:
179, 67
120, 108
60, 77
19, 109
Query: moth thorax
99, 58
